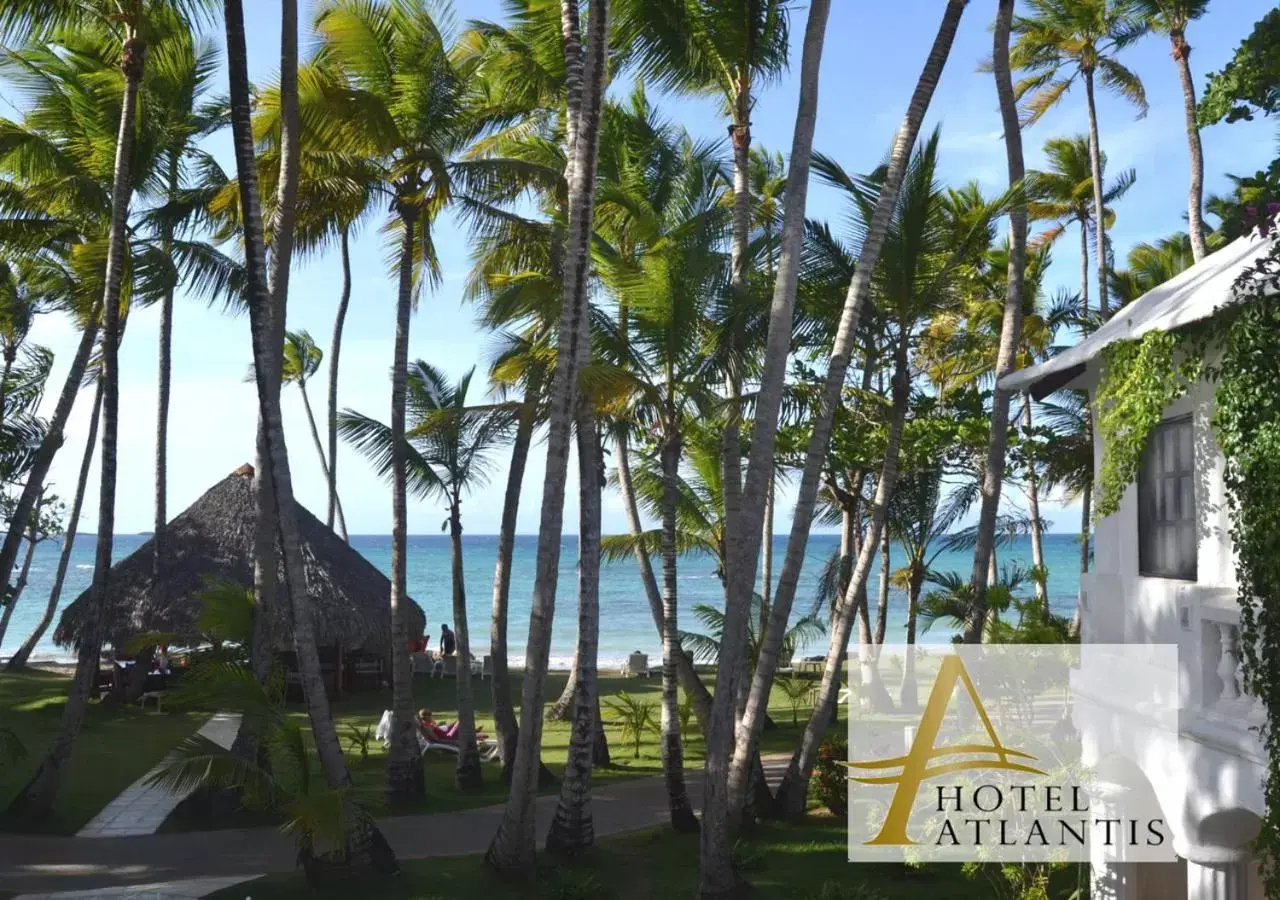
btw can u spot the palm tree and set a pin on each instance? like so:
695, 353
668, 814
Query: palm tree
513, 848
659, 222
1068, 465
768, 182
302, 359
1151, 264
394, 96
715, 857
572, 830
335, 196
18, 310
919, 519
19, 659
517, 275
1060, 41
180, 74
1063, 194
1171, 17
1011, 324
931, 238
704, 646
729, 50
132, 26
364, 845
447, 453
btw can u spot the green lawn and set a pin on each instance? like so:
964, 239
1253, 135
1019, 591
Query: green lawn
121, 743
787, 862
116, 747
363, 710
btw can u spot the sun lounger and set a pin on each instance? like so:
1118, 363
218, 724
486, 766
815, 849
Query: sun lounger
488, 746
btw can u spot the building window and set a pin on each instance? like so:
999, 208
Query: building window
1167, 503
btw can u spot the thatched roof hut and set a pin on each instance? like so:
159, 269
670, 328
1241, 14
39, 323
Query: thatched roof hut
213, 538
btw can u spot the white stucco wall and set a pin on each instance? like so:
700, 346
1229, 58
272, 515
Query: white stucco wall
1215, 764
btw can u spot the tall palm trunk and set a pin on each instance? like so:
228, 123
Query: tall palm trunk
10, 357
504, 713
562, 709
404, 765
907, 696
335, 350
33, 538
572, 827
1099, 211
682, 818
50, 443
731, 442
19, 659
873, 689
315, 440
1011, 324
513, 849
882, 603
158, 539
730, 762
364, 845
266, 566
1033, 511
1195, 195
766, 552
689, 678
793, 792
1084, 268
36, 799
468, 774
772, 381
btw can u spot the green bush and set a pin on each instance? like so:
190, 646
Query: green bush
830, 784
568, 885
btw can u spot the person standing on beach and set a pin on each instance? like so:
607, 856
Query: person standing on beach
448, 643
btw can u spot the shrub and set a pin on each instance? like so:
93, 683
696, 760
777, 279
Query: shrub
830, 783
569, 885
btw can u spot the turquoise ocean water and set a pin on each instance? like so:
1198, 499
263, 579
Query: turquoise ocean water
625, 621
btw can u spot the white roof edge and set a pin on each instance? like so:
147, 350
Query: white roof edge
1191, 296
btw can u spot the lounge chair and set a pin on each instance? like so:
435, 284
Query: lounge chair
488, 747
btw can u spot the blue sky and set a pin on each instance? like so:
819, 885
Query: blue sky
873, 56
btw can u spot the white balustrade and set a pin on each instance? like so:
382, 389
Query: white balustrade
1231, 699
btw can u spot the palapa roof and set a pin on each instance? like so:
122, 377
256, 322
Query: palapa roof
213, 538
1191, 296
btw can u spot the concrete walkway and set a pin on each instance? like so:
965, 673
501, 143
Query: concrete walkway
151, 866
141, 808
190, 889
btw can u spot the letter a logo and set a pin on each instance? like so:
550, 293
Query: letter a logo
922, 761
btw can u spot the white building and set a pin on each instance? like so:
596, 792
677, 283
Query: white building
1163, 574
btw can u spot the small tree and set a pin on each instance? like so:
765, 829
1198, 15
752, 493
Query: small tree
635, 716
797, 691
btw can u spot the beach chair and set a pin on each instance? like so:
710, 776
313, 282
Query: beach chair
488, 747
637, 665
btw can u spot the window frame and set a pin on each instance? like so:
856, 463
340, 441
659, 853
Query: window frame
1178, 569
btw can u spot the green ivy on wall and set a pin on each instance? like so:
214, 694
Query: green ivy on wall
1248, 427
1139, 380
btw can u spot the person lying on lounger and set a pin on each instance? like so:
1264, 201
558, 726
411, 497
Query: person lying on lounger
440, 732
